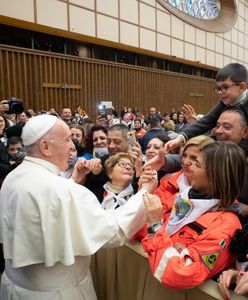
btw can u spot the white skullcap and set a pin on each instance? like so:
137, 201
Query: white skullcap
36, 127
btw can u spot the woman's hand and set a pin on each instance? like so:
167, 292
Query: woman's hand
148, 180
156, 162
225, 279
136, 153
154, 208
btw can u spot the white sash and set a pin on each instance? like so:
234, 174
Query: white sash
187, 210
183, 183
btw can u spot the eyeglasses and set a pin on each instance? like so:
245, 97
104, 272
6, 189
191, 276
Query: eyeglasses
224, 87
124, 164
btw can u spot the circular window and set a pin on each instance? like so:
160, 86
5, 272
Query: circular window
209, 15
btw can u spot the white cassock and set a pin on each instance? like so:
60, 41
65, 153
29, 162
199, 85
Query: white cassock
49, 227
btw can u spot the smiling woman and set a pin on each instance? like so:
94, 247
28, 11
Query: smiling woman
120, 170
209, 15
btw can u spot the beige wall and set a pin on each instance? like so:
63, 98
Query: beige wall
143, 24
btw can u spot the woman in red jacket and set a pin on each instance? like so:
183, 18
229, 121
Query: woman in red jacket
192, 243
171, 184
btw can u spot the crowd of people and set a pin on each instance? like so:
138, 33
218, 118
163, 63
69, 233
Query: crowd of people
176, 181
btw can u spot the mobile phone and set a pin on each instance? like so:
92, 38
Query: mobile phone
131, 139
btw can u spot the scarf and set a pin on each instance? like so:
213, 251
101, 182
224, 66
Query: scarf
186, 210
112, 200
183, 183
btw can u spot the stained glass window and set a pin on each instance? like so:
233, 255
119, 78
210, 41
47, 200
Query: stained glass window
201, 9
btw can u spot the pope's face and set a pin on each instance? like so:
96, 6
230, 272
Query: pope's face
60, 144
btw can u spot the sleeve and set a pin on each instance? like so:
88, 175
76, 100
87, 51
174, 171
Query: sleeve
203, 258
166, 191
206, 123
172, 164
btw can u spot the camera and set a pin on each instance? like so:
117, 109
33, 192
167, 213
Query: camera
15, 106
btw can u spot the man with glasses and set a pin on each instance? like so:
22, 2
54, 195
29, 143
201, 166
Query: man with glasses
231, 87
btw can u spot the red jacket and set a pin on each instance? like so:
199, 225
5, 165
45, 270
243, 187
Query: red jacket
194, 253
167, 189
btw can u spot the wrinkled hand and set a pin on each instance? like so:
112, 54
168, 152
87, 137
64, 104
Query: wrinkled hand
148, 179
154, 208
80, 171
225, 279
189, 113
94, 165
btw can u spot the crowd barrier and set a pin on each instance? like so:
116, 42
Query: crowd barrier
124, 274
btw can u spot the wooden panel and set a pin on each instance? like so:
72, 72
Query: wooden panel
44, 80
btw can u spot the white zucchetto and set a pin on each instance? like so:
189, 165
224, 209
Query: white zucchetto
36, 127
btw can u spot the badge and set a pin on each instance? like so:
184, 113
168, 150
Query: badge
210, 259
222, 243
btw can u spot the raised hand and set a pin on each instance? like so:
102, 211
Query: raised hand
94, 165
80, 171
148, 180
189, 113
157, 162
136, 153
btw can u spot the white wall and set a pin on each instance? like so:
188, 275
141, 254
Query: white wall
139, 23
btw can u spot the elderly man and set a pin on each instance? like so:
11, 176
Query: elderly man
49, 225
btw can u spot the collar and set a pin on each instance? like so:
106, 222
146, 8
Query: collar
194, 194
241, 98
43, 163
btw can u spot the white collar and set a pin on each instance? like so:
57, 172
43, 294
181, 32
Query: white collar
43, 163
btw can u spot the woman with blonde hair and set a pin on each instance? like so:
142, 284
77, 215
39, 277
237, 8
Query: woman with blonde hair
177, 182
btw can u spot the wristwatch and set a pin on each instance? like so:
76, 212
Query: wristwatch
154, 228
